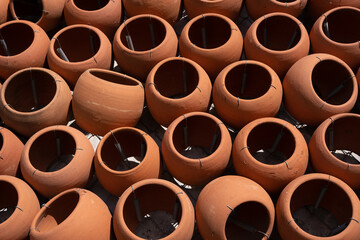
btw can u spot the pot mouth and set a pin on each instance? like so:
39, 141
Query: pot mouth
286, 1
113, 77
90, 5
1, 141
8, 201
30, 10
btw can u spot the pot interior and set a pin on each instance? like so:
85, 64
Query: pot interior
8, 200
30, 10
1, 141
15, 38
114, 78
286, 1
90, 5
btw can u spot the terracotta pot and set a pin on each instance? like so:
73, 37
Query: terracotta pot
234, 207
34, 98
29, 50
149, 199
45, 13
319, 86
212, 40
176, 86
104, 100
335, 34
21, 204
318, 206
143, 41
317, 7
57, 158
72, 214
245, 91
196, 148
4, 11
77, 48
103, 14
10, 152
278, 40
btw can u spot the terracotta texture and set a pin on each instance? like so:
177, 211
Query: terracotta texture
34, 98
104, 100
245, 91
339, 199
229, 202
317, 7
176, 86
319, 86
57, 158
4, 11
10, 152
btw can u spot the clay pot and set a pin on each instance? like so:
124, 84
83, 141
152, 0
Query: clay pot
234, 207
72, 214
278, 40
157, 200
212, 40
29, 50
77, 48
318, 206
319, 86
57, 158
10, 152
4, 11
318, 7
34, 98
143, 41
196, 148
335, 34
176, 86
21, 204
245, 91
103, 14
104, 100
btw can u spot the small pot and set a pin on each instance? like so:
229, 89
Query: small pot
4, 11
10, 153
316, 8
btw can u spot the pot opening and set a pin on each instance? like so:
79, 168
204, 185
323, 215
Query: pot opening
209, 32
1, 141
11, 43
30, 90
332, 82
8, 201
90, 5
114, 78
278, 33
152, 211
52, 151
30, 10
286, 1
321, 208
249, 220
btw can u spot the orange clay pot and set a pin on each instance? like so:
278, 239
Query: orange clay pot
245, 91
196, 130
4, 11
212, 40
150, 196
72, 214
103, 14
270, 151
57, 158
176, 86
318, 7
342, 38
84, 47
319, 86
278, 40
10, 152
104, 100
29, 50
230, 207
330, 195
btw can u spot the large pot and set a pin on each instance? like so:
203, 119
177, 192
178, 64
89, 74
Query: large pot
10, 153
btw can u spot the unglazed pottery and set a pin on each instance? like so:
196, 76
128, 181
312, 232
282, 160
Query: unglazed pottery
318, 7
10, 152
176, 86
4, 11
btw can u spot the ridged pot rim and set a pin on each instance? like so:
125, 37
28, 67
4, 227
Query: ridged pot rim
71, 4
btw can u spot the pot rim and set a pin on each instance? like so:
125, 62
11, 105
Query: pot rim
286, 4
15, 16
106, 71
71, 4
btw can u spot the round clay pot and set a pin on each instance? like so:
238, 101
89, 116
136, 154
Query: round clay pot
34, 98
29, 50
176, 86
103, 14
335, 33
4, 11
234, 207
19, 205
319, 86
10, 152
278, 40
76, 48
270, 151
245, 91
125, 156
158, 201
72, 214
316, 8
212, 40
196, 148
141, 42
57, 158
45, 13
104, 100
318, 206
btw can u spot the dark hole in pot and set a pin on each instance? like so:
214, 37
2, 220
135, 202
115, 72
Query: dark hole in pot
8, 200
1, 141
332, 82
30, 10
320, 208
16, 38
91, 5
286, 1
249, 220
278, 33
114, 78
